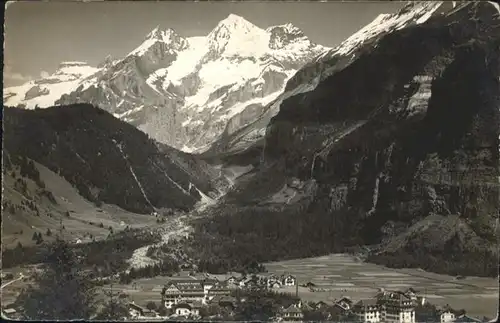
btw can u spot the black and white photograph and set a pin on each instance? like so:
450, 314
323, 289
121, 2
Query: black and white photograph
264, 161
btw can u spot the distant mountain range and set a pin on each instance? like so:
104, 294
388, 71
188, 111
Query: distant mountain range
184, 92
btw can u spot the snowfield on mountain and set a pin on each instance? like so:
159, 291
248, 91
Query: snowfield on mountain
182, 91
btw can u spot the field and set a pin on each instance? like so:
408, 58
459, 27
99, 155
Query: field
342, 275
84, 217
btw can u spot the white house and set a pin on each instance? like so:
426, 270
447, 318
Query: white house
447, 317
185, 309
290, 281
275, 284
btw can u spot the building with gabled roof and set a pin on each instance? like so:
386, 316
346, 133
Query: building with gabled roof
187, 309
396, 307
345, 303
293, 312
368, 310
192, 290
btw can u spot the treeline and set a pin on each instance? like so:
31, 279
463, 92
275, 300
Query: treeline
166, 267
105, 256
257, 235
118, 147
483, 264
65, 291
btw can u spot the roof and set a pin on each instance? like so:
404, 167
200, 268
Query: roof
186, 285
292, 309
345, 299
465, 318
131, 304
367, 302
9, 311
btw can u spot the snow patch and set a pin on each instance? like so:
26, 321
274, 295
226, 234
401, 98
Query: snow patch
496, 5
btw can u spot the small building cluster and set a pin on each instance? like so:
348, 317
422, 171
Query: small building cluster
187, 296
271, 281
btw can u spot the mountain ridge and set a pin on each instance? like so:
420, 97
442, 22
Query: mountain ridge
58, 138
183, 91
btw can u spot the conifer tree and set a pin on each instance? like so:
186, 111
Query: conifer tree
62, 291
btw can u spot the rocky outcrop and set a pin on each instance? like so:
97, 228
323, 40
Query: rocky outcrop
34, 92
411, 129
401, 138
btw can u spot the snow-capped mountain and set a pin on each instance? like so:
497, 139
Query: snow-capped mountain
183, 91
238, 140
46, 91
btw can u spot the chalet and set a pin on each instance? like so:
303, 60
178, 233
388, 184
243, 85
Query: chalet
274, 284
293, 313
368, 310
345, 303
187, 309
466, 319
304, 306
447, 316
289, 280
135, 310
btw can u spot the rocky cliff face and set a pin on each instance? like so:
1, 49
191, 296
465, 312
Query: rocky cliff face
410, 128
397, 144
120, 166
185, 91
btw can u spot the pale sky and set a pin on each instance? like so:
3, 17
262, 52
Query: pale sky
40, 35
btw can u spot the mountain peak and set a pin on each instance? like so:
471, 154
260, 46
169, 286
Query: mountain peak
233, 34
158, 35
232, 24
236, 21
163, 35
283, 35
288, 28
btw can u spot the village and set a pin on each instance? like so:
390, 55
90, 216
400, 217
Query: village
197, 298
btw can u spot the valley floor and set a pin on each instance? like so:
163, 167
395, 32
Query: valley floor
343, 275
